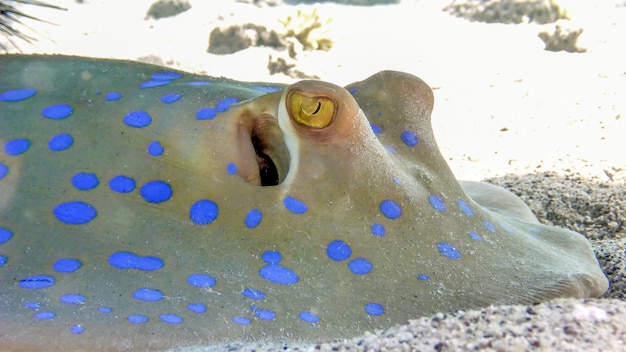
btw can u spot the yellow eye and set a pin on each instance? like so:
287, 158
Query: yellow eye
316, 112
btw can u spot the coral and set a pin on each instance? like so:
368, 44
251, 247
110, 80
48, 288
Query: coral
508, 11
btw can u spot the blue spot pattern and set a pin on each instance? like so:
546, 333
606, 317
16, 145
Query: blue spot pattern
294, 205
465, 208
17, 95
66, 265
309, 317
437, 203
155, 148
57, 112
61, 141
253, 294
72, 298
203, 212
85, 181
128, 260
338, 250
16, 146
374, 309
156, 191
201, 280
448, 251
5, 235
253, 218
45, 315
74, 213
137, 119
171, 98
360, 266
171, 318
409, 138
378, 230
122, 184
231, 168
276, 273
148, 294
112, 96
197, 308
390, 209
4, 170
37, 282
137, 319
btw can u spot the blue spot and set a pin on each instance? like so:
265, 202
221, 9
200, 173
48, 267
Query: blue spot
206, 114
154, 83
375, 128
374, 309
391, 149
72, 298
201, 280
225, 103
360, 266
171, 318
294, 205
197, 308
231, 168
423, 277
476, 237
85, 181
32, 305
507, 228
390, 209
112, 96
156, 191
16, 146
338, 250
137, 318
240, 320
265, 314
166, 76
74, 213
448, 250
437, 203
137, 119
272, 257
253, 294
531, 229
253, 218
17, 95
122, 184
203, 212
60, 142
45, 315
66, 265
105, 310
57, 112
489, 226
127, 260
5, 235
266, 89
309, 317
378, 230
3, 260
465, 208
171, 98
278, 274
77, 329
409, 138
155, 148
148, 294
199, 83
4, 170
36, 282
397, 181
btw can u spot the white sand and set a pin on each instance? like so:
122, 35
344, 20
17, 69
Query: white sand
503, 105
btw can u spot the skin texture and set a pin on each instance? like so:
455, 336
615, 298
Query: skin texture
337, 179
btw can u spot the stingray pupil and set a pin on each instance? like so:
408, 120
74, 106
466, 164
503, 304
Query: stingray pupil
319, 106
267, 169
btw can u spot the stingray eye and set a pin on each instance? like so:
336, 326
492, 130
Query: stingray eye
316, 112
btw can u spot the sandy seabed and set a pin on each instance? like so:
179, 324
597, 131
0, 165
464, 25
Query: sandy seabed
551, 126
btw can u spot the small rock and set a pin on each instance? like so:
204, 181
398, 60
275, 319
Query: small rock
563, 38
167, 8
508, 11
228, 40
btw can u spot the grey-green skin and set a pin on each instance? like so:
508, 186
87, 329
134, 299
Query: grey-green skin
342, 172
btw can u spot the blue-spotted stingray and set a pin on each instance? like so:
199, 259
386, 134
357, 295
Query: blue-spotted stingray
143, 208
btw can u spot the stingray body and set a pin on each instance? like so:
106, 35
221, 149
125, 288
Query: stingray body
147, 209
